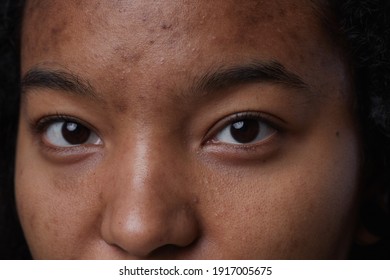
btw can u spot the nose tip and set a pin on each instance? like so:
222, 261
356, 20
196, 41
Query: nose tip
145, 230
148, 205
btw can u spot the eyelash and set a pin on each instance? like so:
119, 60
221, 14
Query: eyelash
267, 119
41, 125
253, 115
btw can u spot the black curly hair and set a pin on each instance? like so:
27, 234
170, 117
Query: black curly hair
363, 29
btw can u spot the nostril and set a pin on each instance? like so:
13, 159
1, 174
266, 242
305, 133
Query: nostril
166, 251
171, 251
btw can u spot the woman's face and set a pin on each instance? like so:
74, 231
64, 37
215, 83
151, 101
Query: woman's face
184, 129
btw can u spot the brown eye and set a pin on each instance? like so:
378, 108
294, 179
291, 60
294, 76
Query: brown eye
245, 131
69, 133
74, 133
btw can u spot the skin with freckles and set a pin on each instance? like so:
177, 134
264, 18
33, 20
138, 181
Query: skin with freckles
185, 130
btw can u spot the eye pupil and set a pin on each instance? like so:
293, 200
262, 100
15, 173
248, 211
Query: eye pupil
245, 131
75, 133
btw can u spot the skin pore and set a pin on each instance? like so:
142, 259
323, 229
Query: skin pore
182, 129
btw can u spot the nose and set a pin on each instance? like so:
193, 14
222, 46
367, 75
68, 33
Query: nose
148, 208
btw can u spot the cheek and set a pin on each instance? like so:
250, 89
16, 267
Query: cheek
300, 206
58, 210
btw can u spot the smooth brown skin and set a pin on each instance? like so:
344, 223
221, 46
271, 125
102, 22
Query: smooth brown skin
160, 185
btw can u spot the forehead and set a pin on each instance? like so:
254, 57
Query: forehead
110, 42
51, 23
244, 12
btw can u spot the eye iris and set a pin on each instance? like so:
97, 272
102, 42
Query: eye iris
75, 133
245, 131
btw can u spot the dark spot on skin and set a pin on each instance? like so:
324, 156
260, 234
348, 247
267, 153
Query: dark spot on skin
47, 28
121, 106
166, 26
151, 42
282, 13
128, 56
132, 58
56, 30
337, 134
58, 33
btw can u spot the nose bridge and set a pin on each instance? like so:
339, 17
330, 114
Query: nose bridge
149, 162
147, 206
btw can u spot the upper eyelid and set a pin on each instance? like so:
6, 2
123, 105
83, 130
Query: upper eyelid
270, 120
252, 115
217, 127
40, 125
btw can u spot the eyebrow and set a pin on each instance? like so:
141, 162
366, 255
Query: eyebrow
222, 78
57, 80
258, 71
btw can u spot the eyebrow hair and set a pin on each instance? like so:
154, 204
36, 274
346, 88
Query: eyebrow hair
258, 71
57, 80
222, 78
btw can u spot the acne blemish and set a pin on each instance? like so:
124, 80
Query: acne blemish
121, 108
166, 26
195, 200
57, 29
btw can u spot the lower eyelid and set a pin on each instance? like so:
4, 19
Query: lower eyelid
69, 155
255, 153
